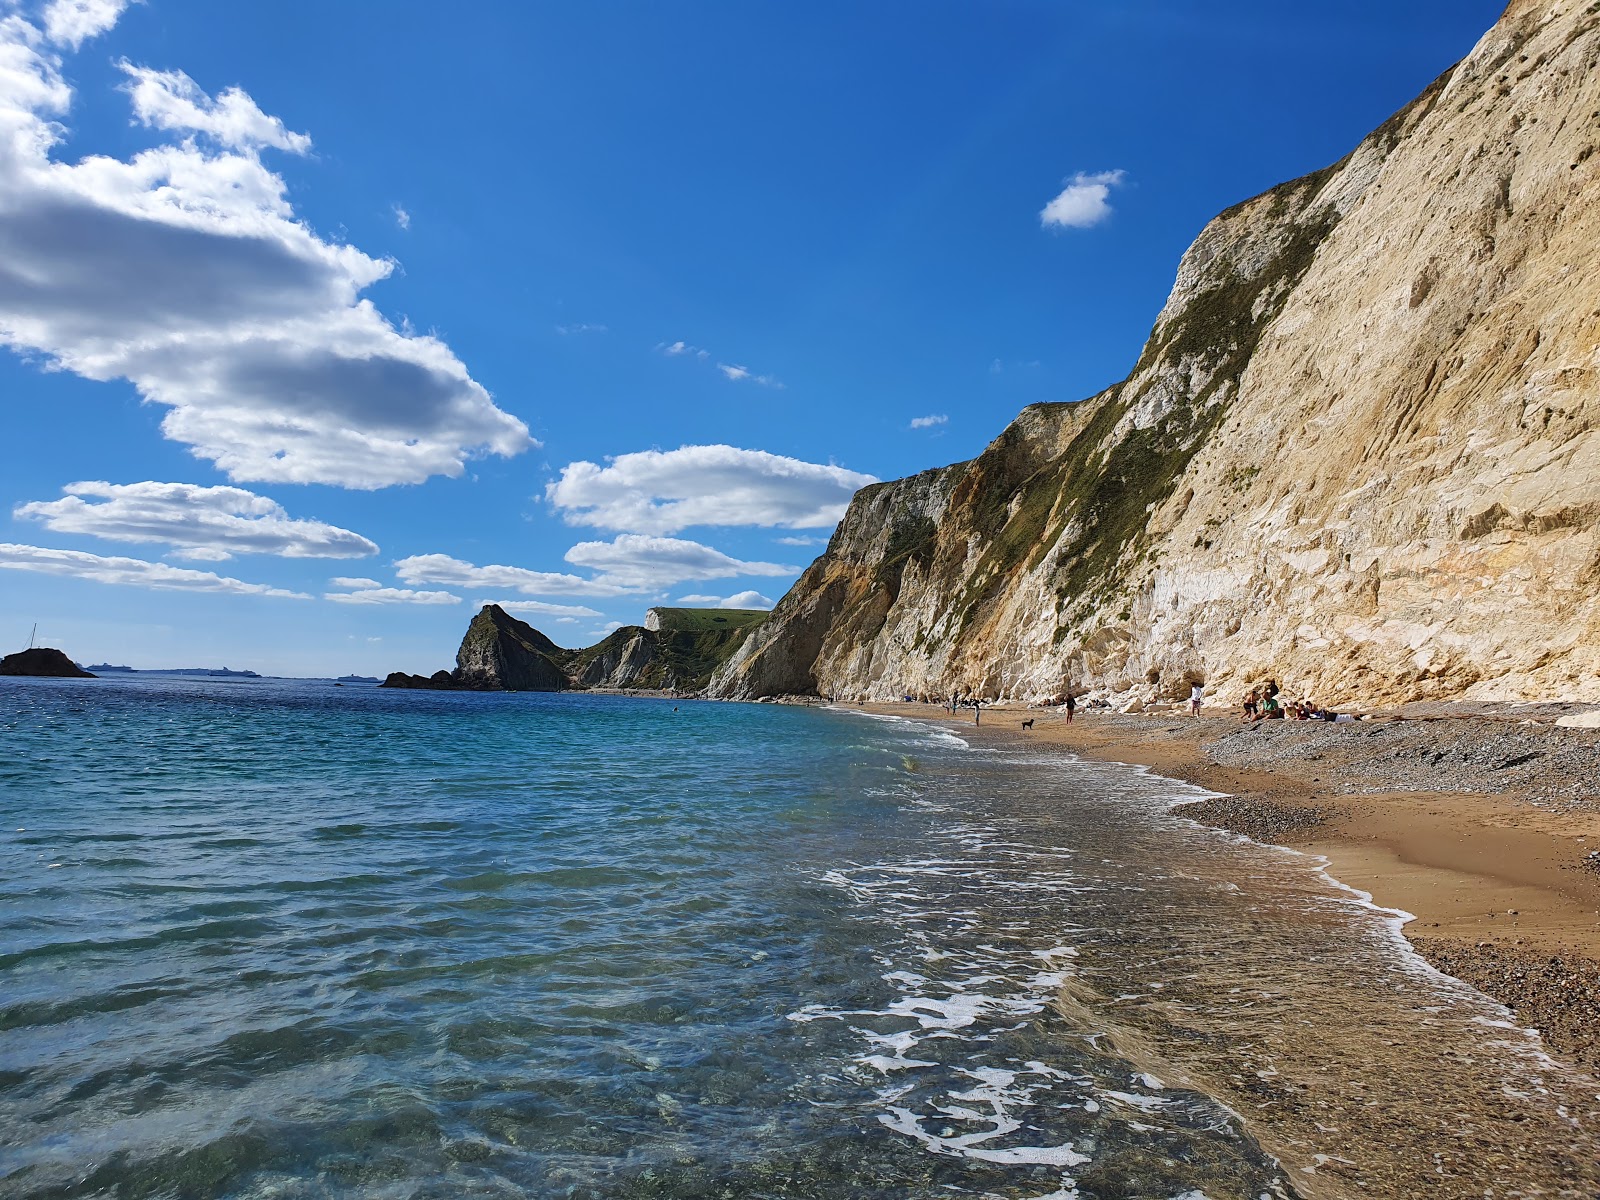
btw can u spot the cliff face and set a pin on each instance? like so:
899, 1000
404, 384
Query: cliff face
1359, 451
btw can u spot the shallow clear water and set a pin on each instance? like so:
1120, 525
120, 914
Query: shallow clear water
280, 938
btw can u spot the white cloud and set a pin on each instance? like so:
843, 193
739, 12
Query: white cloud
133, 572
929, 422
699, 600
441, 568
402, 218
654, 562
750, 599
581, 327
212, 523
70, 23
1084, 202
170, 100
663, 491
186, 271
740, 374
354, 584
679, 348
570, 611
802, 541
387, 595
608, 628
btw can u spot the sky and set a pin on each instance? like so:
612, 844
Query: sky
324, 324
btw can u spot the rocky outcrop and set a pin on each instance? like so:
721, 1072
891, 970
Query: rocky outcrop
1360, 451
498, 654
42, 661
501, 653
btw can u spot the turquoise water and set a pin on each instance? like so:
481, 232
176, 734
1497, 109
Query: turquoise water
276, 938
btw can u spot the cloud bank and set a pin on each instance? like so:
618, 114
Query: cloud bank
642, 563
133, 572
186, 271
663, 491
212, 523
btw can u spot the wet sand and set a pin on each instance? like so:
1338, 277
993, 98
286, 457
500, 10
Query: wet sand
1496, 870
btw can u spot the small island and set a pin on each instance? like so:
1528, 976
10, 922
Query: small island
43, 662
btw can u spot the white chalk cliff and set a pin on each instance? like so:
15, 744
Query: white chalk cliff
1358, 453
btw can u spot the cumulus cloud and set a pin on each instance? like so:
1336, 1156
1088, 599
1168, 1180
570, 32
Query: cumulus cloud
802, 541
357, 583
570, 612
212, 523
386, 595
185, 270
1084, 202
133, 572
750, 599
441, 568
929, 422
170, 100
654, 562
663, 491
70, 23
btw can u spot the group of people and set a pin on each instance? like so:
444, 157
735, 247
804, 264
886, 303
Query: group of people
1265, 703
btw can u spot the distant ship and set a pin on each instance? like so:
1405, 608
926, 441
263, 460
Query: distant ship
208, 672
102, 668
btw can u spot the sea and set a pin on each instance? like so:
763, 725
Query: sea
281, 938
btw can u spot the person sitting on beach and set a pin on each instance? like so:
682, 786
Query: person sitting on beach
1252, 704
1271, 710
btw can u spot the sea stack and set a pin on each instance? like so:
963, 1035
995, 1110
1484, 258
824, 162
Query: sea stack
501, 653
42, 661
498, 654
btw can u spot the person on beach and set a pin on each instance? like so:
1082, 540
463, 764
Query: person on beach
1072, 706
977, 711
1252, 704
1197, 695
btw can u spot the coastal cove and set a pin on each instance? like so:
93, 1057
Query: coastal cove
609, 946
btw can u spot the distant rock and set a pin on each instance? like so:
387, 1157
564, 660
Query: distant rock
44, 662
677, 653
439, 681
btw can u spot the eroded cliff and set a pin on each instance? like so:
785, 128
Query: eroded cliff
1358, 452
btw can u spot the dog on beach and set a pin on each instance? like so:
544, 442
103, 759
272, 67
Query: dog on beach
1028, 724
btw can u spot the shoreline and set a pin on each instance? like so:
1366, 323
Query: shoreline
1499, 884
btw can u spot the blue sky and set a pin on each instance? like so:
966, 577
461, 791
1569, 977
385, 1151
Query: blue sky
328, 323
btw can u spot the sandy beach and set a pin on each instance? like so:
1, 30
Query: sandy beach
1482, 824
